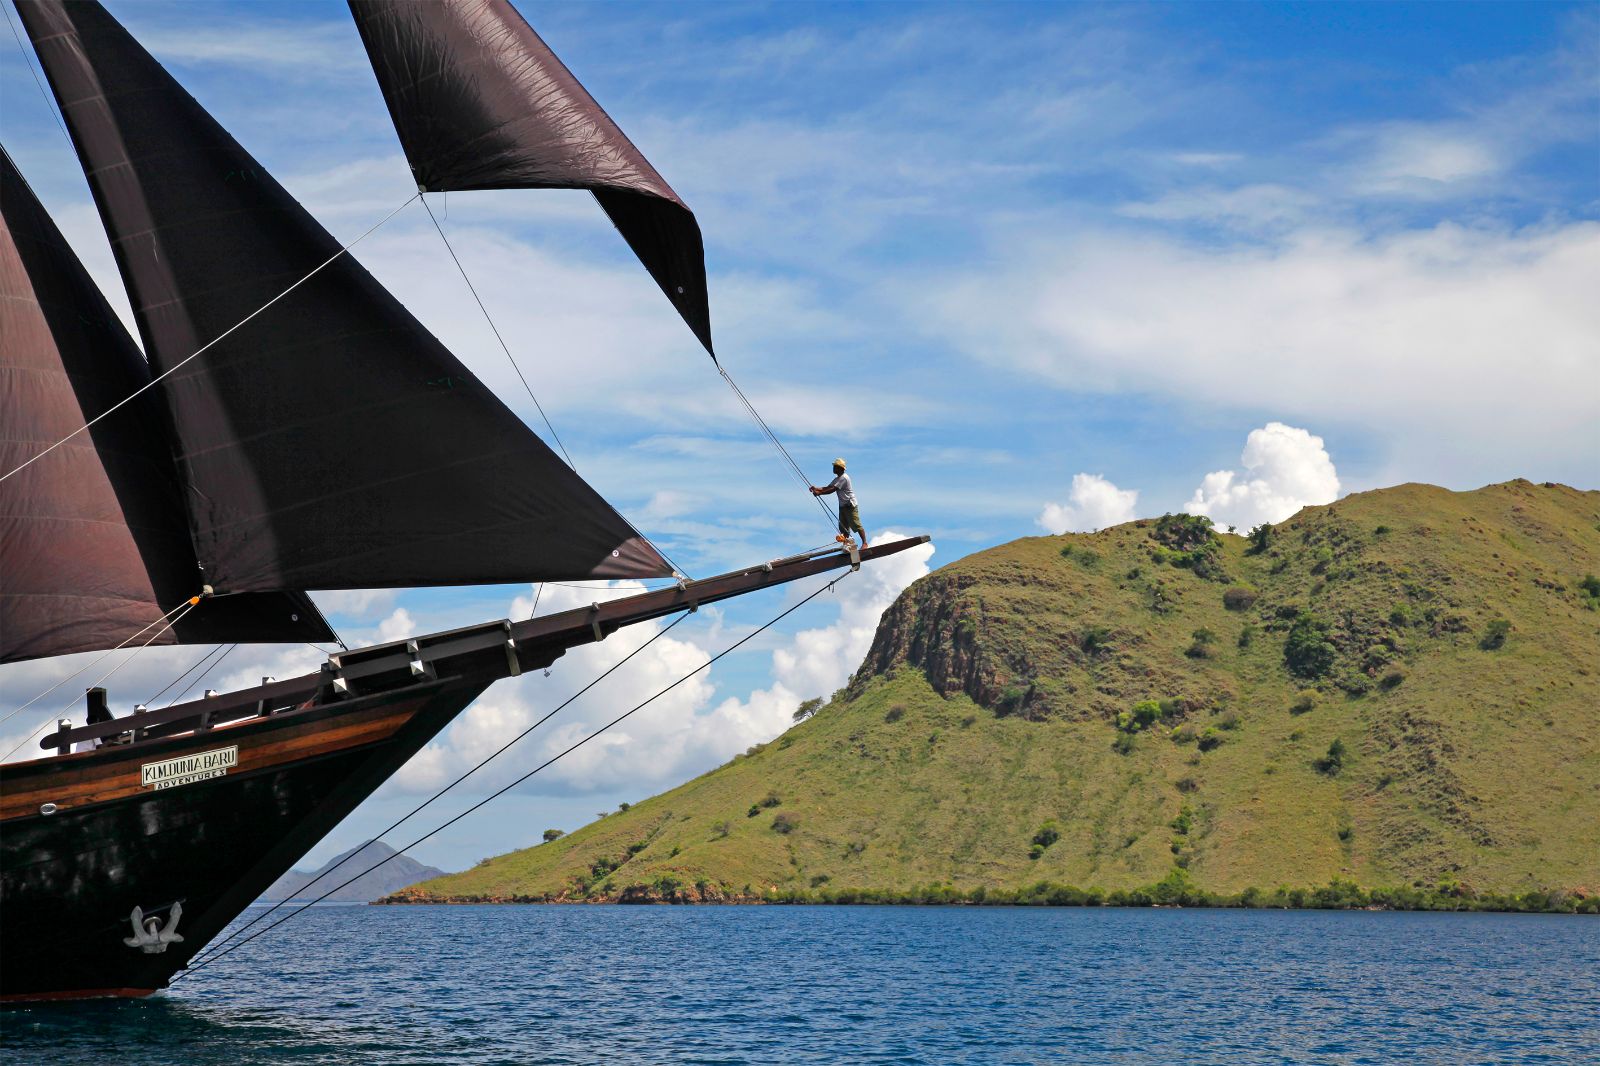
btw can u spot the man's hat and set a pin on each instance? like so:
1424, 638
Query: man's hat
839, 463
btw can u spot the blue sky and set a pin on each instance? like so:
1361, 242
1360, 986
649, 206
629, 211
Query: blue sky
1030, 267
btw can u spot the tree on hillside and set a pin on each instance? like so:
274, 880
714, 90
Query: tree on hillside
807, 709
1308, 652
553, 834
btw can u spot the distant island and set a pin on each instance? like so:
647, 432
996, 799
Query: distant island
1392, 700
394, 874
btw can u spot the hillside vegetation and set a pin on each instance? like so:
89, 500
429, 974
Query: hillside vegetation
1395, 697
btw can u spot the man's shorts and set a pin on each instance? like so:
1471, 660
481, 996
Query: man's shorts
850, 519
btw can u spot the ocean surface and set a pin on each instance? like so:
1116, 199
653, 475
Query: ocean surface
576, 984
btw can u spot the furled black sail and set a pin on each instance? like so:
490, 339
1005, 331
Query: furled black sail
480, 102
94, 546
332, 442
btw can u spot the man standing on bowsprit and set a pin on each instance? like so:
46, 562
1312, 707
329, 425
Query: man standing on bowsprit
849, 513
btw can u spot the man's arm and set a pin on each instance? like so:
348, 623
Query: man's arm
824, 490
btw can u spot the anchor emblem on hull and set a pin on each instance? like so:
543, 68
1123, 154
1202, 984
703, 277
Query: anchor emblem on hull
150, 935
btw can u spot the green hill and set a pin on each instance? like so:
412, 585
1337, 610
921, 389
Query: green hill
1399, 691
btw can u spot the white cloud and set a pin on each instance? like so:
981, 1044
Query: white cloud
355, 604
1285, 469
1094, 504
1422, 337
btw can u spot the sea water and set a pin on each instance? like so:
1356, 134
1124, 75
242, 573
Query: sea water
592, 984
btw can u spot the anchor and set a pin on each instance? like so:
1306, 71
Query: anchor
149, 935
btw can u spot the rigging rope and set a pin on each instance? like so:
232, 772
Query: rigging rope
95, 662
203, 676
213, 949
49, 104
514, 366
182, 610
214, 341
209, 652
215, 956
776, 443
496, 330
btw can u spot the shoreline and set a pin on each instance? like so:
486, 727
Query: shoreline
1169, 893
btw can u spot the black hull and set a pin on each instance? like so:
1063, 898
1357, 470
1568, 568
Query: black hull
68, 882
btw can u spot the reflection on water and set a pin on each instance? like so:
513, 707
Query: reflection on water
830, 984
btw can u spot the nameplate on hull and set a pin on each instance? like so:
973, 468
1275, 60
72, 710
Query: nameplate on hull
187, 769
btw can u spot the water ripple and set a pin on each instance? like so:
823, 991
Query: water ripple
738, 985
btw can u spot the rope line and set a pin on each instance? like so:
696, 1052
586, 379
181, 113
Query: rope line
208, 960
776, 443
204, 675
209, 652
89, 665
213, 949
170, 622
496, 330
211, 343
48, 103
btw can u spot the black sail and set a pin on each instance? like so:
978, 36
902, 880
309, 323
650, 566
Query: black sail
480, 102
94, 545
332, 442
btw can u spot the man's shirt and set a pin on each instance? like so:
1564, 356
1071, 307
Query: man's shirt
841, 484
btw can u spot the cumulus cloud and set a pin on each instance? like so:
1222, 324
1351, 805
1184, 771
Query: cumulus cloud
1422, 337
677, 736
1285, 469
1093, 504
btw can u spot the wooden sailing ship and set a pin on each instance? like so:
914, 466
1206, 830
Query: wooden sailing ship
289, 426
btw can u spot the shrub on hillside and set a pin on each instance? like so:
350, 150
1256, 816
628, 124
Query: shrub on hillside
1095, 640
1305, 700
1308, 652
1188, 542
1590, 587
1083, 556
1146, 713
1260, 538
1239, 598
1124, 744
895, 713
1332, 762
1210, 739
1183, 532
1186, 733
1012, 699
785, 824
1494, 635
553, 834
1392, 679
1048, 834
